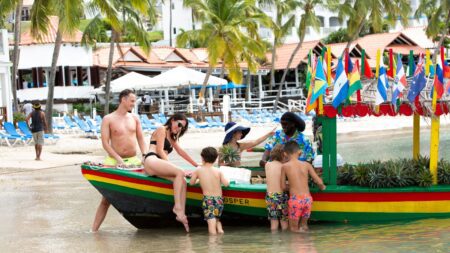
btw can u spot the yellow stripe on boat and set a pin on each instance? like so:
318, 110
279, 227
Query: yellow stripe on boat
439, 206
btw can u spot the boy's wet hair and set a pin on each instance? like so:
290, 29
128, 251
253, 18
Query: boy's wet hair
291, 147
125, 93
277, 153
209, 154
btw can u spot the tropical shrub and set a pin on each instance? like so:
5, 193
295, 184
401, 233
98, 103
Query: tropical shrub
229, 155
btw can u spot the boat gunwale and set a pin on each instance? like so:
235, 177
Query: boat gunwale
262, 187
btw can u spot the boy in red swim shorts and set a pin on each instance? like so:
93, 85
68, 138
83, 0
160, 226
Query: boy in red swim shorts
300, 201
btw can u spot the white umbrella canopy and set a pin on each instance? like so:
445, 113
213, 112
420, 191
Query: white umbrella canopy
181, 76
131, 80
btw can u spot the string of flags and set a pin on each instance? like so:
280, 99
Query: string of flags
347, 79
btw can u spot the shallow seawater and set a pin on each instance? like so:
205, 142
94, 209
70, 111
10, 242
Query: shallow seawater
51, 210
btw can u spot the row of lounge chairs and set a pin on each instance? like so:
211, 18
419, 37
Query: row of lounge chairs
12, 136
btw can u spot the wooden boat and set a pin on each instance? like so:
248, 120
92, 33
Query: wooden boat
147, 201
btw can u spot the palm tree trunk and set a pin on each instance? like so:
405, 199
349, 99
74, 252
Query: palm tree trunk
51, 82
16, 52
356, 35
441, 40
272, 69
205, 82
283, 78
109, 71
170, 22
222, 69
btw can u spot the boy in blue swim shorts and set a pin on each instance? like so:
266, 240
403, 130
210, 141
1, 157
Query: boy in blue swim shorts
276, 197
210, 182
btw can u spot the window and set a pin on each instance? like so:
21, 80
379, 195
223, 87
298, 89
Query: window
322, 22
174, 30
334, 21
173, 6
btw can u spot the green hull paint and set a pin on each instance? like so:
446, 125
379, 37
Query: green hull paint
372, 217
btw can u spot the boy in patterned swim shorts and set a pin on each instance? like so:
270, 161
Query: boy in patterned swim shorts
210, 182
300, 201
276, 197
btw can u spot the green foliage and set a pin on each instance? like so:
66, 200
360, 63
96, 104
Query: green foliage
393, 173
81, 108
338, 36
229, 154
19, 116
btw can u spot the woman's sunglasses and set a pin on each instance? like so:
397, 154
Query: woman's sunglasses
180, 125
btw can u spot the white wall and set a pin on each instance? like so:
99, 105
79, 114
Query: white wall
5, 76
32, 56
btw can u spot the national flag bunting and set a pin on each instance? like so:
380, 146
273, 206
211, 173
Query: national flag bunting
340, 89
439, 81
367, 69
399, 81
382, 86
354, 82
418, 83
320, 82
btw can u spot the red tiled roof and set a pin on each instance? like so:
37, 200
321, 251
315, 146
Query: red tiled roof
404, 49
50, 37
285, 51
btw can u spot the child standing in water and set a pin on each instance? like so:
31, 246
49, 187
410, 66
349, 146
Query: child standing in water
210, 182
300, 201
276, 197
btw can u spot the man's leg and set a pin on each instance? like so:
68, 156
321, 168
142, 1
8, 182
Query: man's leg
284, 224
39, 148
101, 214
36, 149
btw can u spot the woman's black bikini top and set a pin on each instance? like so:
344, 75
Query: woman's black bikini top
167, 146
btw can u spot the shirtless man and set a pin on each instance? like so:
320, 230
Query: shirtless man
120, 130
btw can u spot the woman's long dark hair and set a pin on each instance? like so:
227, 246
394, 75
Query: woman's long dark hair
175, 117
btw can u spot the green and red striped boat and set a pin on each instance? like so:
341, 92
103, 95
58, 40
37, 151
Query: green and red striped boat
144, 199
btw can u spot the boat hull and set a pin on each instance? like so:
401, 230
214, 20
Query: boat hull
146, 201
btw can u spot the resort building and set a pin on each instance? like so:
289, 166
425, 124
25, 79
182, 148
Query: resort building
5, 79
74, 77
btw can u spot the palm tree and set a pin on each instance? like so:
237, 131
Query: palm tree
69, 13
284, 9
132, 12
438, 14
372, 12
7, 6
308, 18
226, 25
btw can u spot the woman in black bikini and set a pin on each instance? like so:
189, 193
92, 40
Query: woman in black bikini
163, 140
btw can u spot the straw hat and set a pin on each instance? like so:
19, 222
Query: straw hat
37, 106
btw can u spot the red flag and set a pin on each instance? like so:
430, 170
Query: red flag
367, 69
390, 71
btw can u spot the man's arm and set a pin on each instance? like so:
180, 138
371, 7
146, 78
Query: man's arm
106, 141
264, 158
140, 136
44, 121
253, 143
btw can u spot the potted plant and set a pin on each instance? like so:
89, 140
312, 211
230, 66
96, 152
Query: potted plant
17, 117
229, 155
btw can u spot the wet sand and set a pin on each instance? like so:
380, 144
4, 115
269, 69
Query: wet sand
47, 206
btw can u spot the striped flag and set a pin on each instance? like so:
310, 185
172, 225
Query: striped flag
340, 90
446, 69
439, 81
309, 76
399, 81
354, 82
382, 86
320, 82
418, 82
